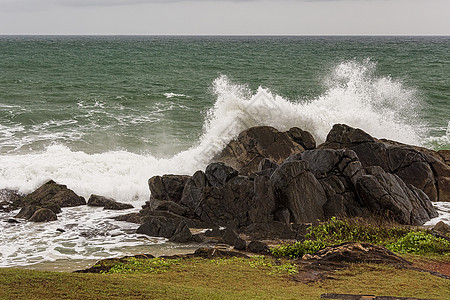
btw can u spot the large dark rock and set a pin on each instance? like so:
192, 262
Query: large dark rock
51, 192
297, 189
158, 227
252, 145
423, 168
388, 196
218, 174
182, 234
193, 192
27, 211
172, 207
167, 187
107, 203
43, 215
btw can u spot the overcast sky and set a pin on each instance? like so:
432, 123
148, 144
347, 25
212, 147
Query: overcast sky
267, 17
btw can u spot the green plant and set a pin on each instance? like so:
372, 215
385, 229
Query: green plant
298, 249
420, 242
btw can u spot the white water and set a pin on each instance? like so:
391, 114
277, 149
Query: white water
381, 106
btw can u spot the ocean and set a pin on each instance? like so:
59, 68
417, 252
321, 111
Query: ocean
103, 114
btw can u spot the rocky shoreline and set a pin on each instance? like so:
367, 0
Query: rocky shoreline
268, 184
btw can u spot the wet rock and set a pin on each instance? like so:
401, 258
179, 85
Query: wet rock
158, 227
27, 211
43, 215
12, 221
193, 192
51, 192
167, 187
252, 145
10, 199
132, 218
107, 203
302, 137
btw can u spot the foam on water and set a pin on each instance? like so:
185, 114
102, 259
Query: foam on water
354, 95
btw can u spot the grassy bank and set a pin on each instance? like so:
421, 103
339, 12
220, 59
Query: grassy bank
220, 279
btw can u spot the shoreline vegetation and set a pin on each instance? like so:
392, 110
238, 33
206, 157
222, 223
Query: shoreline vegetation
259, 205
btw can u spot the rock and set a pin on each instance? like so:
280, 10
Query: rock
252, 145
60, 230
158, 227
218, 174
445, 155
53, 207
443, 189
172, 207
257, 247
107, 203
356, 253
388, 196
283, 215
132, 218
43, 215
267, 164
231, 238
212, 253
167, 187
182, 234
27, 211
304, 138
418, 166
193, 192
52, 192
12, 221
298, 190
442, 228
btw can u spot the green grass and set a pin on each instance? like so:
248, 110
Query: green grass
234, 278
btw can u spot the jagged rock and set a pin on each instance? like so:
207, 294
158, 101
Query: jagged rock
12, 221
218, 174
193, 192
298, 190
356, 253
132, 218
158, 227
257, 247
10, 198
303, 138
418, 166
43, 215
252, 145
445, 155
107, 203
167, 187
388, 196
52, 192
267, 164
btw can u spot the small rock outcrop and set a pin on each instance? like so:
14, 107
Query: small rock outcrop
51, 192
107, 203
43, 215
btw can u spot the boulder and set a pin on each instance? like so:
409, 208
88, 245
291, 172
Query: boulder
218, 174
442, 228
418, 166
27, 211
107, 203
182, 234
10, 199
158, 227
302, 137
43, 215
388, 196
254, 144
167, 187
231, 238
51, 192
297, 189
193, 192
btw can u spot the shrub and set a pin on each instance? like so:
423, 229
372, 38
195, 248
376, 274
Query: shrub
298, 249
420, 242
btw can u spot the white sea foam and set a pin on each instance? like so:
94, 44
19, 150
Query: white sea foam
171, 95
355, 96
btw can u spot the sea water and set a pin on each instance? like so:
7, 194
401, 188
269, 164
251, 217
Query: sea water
103, 114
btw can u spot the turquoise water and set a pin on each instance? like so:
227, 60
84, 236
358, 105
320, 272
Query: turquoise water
104, 114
